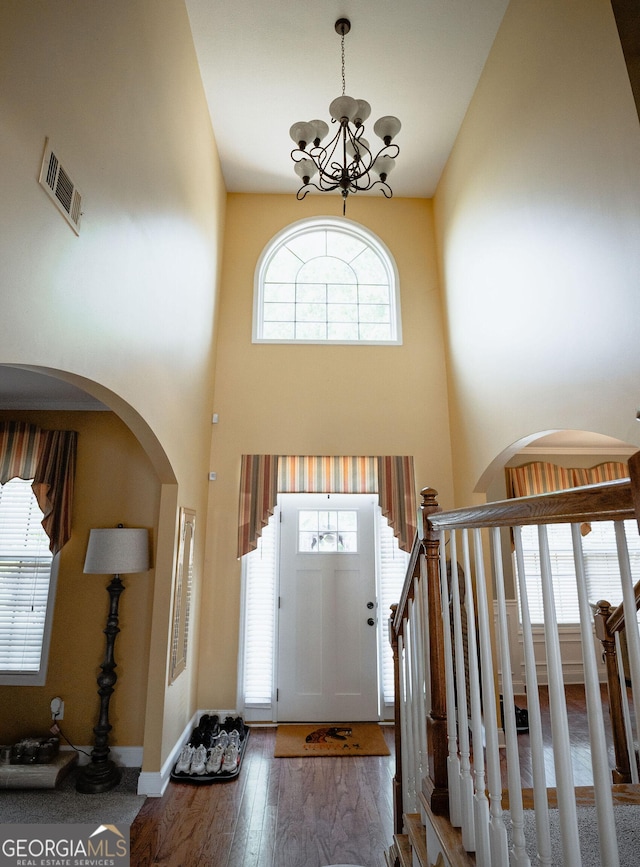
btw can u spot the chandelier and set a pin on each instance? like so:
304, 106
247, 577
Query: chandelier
347, 162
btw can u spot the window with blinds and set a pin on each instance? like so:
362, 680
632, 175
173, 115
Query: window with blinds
601, 567
260, 576
25, 577
392, 567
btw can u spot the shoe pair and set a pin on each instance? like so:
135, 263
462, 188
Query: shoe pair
234, 723
192, 760
224, 756
205, 732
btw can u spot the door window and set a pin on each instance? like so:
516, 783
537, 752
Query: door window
323, 531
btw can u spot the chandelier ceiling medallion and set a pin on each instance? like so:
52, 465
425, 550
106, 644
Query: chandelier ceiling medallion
347, 162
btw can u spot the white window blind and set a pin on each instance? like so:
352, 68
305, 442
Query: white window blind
601, 566
392, 567
259, 623
25, 570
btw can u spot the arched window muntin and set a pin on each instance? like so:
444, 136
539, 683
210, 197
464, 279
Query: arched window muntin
326, 280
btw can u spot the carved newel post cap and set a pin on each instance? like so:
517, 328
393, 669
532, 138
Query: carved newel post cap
429, 497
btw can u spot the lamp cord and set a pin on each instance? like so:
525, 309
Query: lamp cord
56, 730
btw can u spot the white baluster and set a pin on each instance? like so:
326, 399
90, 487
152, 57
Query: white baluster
419, 691
453, 761
480, 802
416, 690
426, 639
558, 709
626, 713
540, 801
466, 783
497, 831
408, 781
411, 722
630, 614
519, 857
599, 756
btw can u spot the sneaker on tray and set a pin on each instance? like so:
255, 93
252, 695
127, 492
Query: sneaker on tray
199, 761
230, 759
214, 762
184, 761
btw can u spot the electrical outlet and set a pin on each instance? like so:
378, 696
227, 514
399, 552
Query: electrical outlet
57, 708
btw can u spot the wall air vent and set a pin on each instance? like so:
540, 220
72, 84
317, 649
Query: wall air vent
55, 180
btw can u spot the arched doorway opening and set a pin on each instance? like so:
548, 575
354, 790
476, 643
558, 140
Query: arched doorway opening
123, 475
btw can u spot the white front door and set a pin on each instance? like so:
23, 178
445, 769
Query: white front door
327, 647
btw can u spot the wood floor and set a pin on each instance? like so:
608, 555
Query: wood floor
578, 736
299, 812
308, 812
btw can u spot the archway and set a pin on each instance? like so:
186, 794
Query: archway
146, 495
554, 441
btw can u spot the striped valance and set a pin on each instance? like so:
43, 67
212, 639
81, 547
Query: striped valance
539, 477
49, 458
262, 477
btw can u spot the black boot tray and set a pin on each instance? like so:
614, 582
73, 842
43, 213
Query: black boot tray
221, 776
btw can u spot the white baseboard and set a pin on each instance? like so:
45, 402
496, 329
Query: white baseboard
154, 783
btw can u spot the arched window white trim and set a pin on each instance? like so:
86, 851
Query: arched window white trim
326, 280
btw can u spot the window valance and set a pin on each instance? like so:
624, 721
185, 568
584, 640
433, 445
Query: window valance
262, 477
49, 458
539, 477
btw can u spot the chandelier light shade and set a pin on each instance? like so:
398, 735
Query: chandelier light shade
347, 162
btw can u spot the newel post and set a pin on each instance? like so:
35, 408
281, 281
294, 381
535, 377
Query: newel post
622, 771
435, 784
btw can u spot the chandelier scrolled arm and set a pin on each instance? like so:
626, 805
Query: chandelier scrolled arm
346, 162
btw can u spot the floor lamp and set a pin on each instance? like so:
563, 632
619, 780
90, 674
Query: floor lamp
118, 551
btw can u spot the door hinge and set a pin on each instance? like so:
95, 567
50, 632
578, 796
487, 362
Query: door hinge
279, 601
277, 695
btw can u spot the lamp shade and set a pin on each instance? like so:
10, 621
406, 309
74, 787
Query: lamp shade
343, 106
387, 128
117, 550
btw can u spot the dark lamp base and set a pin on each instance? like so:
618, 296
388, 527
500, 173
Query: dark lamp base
98, 777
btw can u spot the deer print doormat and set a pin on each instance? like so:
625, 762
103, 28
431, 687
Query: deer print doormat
341, 739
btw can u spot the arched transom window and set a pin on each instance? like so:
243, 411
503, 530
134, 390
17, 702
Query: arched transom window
326, 281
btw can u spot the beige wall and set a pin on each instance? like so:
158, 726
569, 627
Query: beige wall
538, 219
314, 399
127, 308
115, 483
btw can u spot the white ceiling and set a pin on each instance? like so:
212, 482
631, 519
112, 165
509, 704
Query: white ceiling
266, 65
22, 389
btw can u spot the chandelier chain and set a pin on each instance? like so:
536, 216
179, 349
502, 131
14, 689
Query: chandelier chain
343, 77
